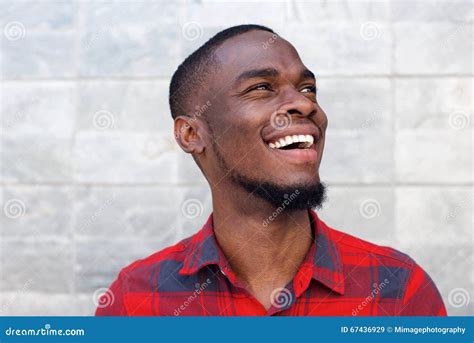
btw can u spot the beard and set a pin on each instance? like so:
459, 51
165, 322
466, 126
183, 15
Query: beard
295, 197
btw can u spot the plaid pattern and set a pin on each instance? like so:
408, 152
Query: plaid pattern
340, 276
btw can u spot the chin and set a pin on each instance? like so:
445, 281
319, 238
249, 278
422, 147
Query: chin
292, 181
305, 192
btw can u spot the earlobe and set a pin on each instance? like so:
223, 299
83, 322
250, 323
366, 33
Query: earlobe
188, 135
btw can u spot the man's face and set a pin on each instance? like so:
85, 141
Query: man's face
260, 95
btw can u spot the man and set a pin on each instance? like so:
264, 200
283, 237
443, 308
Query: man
245, 107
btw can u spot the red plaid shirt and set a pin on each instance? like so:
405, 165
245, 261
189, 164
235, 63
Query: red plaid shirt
340, 276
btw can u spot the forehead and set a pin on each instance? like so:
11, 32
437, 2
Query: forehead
256, 49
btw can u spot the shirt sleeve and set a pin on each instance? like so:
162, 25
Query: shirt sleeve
421, 297
111, 302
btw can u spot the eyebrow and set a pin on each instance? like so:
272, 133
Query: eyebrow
269, 73
308, 74
254, 73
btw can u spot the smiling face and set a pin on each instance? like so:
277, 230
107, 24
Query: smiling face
265, 126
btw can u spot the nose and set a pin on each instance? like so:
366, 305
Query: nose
295, 103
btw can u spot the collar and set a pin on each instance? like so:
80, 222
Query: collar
324, 259
322, 263
202, 250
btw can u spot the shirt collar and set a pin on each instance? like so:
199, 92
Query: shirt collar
324, 256
322, 263
202, 250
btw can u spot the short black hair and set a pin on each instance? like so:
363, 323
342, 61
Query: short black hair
192, 72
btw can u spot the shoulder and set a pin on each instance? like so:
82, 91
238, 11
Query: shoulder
134, 282
401, 277
140, 271
354, 248
364, 264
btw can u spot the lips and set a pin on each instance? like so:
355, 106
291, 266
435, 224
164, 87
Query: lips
292, 141
306, 155
297, 145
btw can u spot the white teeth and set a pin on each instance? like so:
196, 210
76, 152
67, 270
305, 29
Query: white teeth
287, 140
308, 141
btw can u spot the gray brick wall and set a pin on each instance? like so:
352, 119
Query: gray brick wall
91, 178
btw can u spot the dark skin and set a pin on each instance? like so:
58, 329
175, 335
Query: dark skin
250, 84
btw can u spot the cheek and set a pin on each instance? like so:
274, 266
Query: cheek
240, 132
238, 143
321, 119
238, 135
243, 151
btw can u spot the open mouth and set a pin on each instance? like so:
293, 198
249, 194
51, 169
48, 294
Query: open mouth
292, 142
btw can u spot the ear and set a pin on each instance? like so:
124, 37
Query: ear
189, 134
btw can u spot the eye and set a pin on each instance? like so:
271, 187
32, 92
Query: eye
261, 87
309, 89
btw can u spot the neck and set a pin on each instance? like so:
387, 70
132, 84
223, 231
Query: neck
263, 249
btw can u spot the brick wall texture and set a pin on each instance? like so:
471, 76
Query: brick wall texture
91, 178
